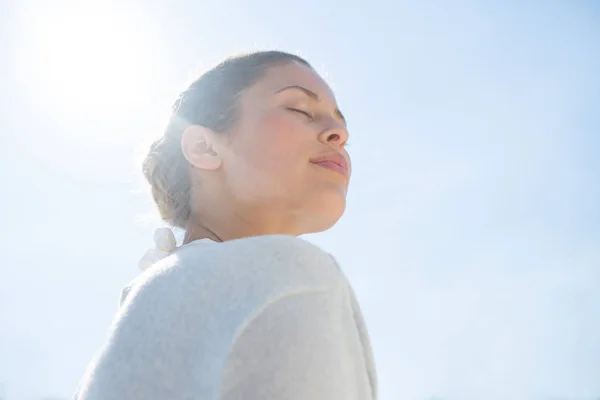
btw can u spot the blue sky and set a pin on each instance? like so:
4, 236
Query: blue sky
472, 230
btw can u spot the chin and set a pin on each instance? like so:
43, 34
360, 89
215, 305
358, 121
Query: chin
326, 213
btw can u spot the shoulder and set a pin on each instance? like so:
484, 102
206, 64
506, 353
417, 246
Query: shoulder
191, 307
210, 291
238, 276
273, 262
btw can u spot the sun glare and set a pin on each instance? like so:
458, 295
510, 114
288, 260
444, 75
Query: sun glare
91, 60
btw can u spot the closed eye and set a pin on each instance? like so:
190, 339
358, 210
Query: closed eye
300, 112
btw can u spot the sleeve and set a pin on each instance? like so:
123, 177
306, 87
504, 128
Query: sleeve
295, 349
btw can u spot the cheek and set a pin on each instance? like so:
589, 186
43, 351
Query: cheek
274, 152
278, 138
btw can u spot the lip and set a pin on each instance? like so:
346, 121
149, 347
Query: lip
334, 162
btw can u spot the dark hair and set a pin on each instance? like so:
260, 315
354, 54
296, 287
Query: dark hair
210, 101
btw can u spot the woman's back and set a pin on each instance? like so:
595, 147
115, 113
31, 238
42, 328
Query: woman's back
269, 317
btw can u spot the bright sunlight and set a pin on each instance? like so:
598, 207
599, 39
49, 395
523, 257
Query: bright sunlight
89, 61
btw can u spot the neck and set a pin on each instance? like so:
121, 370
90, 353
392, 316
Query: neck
221, 225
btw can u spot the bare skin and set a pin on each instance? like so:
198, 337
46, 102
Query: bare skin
281, 169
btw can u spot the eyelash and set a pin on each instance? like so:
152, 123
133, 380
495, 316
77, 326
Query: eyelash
309, 116
306, 114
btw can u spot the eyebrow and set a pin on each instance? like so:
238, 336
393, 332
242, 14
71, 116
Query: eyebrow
313, 96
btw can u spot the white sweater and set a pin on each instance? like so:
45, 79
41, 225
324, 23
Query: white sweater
269, 318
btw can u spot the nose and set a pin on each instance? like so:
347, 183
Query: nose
336, 136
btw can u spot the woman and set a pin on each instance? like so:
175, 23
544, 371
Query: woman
253, 156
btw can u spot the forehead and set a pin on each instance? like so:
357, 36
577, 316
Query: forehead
291, 74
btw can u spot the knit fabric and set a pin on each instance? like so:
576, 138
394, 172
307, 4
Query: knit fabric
263, 318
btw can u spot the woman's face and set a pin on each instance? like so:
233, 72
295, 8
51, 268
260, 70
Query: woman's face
287, 149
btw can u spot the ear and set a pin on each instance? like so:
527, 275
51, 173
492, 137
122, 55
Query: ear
198, 149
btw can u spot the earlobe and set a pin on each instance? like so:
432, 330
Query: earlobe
197, 148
